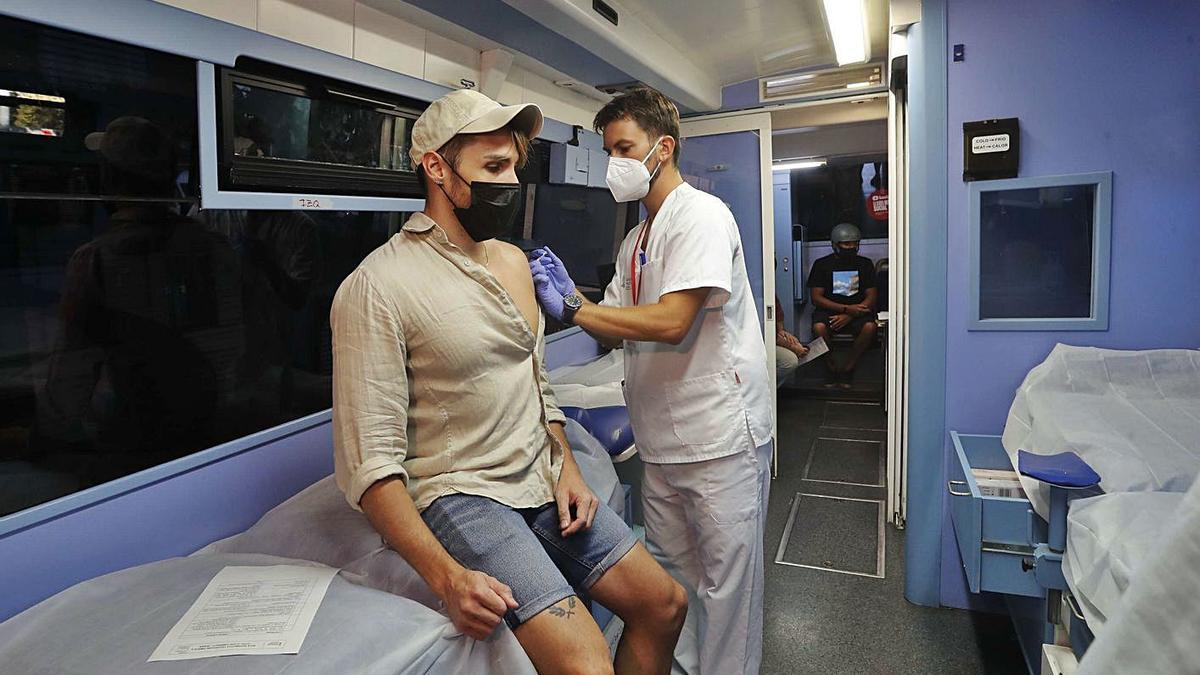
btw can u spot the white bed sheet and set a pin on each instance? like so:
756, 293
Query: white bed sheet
111, 624
1108, 539
1156, 627
1134, 416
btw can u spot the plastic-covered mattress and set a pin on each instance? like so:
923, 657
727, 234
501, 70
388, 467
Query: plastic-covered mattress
1134, 416
595, 384
1156, 626
317, 524
379, 615
112, 624
1108, 538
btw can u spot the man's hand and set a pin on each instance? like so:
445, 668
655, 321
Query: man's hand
554, 268
790, 342
543, 288
476, 603
572, 491
840, 321
857, 310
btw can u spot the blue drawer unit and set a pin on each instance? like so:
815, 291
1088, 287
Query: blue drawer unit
996, 535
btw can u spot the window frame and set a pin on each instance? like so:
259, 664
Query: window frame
1101, 253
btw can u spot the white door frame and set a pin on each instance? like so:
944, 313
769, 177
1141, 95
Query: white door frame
896, 372
760, 123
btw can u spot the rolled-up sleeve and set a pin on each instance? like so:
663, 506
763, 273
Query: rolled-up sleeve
370, 388
549, 403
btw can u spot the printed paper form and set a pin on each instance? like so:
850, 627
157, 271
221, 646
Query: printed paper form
249, 610
816, 349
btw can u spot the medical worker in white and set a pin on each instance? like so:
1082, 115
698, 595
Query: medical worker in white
696, 380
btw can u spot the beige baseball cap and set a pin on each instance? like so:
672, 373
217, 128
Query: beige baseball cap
466, 111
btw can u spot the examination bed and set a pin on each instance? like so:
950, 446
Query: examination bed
378, 616
1060, 512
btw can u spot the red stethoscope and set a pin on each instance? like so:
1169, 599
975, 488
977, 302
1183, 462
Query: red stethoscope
636, 261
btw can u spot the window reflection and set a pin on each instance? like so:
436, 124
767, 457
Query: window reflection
283, 125
840, 192
134, 327
132, 334
1035, 252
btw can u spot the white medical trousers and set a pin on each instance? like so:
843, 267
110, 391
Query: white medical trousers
704, 524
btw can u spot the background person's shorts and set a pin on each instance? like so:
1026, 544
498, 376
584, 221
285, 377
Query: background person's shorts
523, 548
853, 328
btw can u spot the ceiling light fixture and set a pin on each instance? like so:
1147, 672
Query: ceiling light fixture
779, 82
799, 164
858, 85
847, 22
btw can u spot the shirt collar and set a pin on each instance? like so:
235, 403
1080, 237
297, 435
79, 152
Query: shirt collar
419, 222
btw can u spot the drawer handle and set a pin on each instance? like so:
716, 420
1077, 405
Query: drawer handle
950, 486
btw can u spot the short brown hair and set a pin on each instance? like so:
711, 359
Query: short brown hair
453, 147
649, 109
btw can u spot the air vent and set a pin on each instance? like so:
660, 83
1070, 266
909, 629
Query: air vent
620, 87
820, 83
606, 11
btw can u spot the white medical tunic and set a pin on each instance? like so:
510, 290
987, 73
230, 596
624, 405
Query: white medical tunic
709, 396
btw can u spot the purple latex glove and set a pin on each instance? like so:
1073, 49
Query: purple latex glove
554, 268
543, 288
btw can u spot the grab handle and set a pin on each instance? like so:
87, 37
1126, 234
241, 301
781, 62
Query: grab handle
950, 487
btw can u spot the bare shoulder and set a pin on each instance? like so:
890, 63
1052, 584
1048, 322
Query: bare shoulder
509, 265
507, 252
509, 258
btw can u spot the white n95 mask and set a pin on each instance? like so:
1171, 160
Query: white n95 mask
629, 179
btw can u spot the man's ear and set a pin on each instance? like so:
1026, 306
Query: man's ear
434, 167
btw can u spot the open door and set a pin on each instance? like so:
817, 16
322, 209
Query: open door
730, 156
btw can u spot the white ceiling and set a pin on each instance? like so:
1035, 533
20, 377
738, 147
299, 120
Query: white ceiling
738, 40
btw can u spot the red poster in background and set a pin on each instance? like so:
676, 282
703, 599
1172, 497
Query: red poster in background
877, 204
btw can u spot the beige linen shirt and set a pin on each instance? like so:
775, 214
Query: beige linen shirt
438, 378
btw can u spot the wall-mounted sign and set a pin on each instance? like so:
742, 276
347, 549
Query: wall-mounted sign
982, 145
877, 204
991, 149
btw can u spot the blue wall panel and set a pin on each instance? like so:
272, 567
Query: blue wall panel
927, 305
172, 517
1097, 87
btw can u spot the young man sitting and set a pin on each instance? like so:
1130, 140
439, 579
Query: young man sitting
843, 297
445, 429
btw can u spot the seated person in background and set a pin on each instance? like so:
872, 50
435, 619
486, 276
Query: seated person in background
788, 349
843, 296
446, 433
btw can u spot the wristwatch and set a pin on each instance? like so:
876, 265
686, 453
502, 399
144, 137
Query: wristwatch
571, 304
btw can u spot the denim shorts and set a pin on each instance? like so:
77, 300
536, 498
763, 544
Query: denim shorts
524, 549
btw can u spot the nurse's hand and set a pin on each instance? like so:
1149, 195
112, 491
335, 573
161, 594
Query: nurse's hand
573, 493
554, 267
547, 295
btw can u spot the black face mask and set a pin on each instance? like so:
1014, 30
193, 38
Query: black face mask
492, 210
847, 254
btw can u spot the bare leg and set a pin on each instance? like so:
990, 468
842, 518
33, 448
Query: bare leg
565, 639
821, 330
653, 607
862, 342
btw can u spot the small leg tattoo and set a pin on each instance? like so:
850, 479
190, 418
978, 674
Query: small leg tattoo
564, 613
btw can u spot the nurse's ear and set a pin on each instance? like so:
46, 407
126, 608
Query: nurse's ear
666, 148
